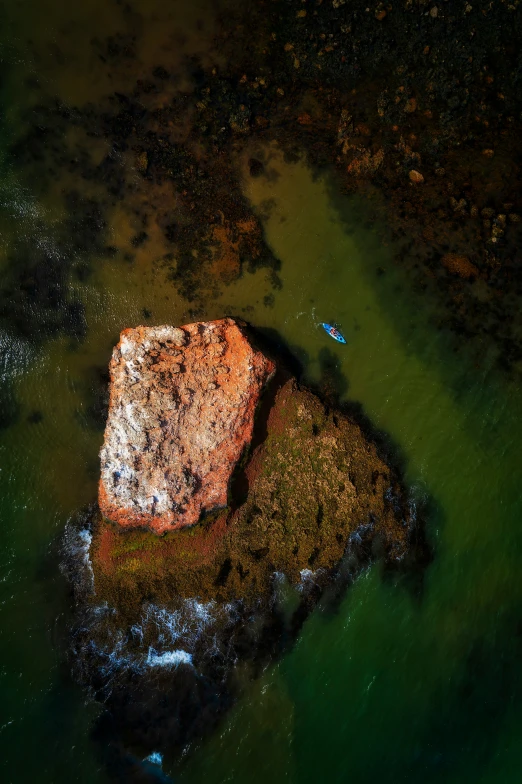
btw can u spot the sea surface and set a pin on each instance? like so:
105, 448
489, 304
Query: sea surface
409, 679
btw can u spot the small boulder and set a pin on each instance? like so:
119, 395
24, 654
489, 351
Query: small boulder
459, 265
416, 177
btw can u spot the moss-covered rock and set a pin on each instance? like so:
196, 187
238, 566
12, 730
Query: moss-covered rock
313, 482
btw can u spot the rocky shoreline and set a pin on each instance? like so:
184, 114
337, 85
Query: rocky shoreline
166, 622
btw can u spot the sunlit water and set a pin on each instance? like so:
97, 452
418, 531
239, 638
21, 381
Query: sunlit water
397, 684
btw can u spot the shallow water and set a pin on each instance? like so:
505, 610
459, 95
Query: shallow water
403, 682
395, 684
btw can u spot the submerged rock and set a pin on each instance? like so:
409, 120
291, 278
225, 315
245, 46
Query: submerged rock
459, 265
181, 412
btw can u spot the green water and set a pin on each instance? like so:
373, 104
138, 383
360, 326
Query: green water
401, 684
394, 686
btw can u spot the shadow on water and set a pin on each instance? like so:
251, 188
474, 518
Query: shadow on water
489, 685
95, 398
9, 405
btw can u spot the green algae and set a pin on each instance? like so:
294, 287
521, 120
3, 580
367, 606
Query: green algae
135, 540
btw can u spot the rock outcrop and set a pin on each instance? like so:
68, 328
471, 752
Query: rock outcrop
312, 483
164, 620
181, 413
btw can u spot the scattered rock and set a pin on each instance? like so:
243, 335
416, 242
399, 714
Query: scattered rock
416, 177
305, 119
345, 130
459, 265
364, 163
240, 120
458, 206
141, 161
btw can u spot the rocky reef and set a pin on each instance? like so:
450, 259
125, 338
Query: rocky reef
288, 497
413, 106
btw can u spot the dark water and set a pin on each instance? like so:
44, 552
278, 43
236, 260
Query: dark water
399, 684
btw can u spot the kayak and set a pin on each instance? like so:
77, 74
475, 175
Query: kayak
334, 332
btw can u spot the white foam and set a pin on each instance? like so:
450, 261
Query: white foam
309, 578
155, 758
161, 637
185, 624
169, 658
77, 546
202, 610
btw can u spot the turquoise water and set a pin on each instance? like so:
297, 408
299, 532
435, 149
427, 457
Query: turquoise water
407, 681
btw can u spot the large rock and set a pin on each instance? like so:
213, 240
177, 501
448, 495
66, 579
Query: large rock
314, 486
163, 620
181, 413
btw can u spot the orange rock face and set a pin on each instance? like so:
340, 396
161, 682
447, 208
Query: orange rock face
181, 412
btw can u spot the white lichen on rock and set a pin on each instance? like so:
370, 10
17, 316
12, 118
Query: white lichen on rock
181, 410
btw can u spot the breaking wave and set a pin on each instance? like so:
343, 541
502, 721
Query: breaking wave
168, 659
310, 579
76, 564
162, 637
156, 758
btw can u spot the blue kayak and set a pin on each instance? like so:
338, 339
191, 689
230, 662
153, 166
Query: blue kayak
333, 332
